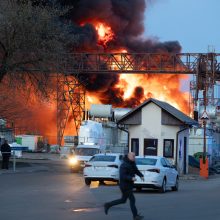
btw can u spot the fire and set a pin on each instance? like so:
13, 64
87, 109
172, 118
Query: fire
105, 33
136, 88
162, 87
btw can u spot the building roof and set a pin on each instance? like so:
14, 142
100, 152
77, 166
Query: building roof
166, 107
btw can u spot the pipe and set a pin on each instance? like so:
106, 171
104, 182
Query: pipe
122, 129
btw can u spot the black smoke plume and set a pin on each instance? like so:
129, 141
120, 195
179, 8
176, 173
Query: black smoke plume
126, 19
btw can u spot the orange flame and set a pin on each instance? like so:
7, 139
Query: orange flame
105, 33
162, 87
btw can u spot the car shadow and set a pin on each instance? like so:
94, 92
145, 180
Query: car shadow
151, 191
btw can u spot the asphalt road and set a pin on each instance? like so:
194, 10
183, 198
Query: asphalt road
59, 195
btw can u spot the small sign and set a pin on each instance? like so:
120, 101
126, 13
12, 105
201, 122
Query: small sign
19, 148
204, 116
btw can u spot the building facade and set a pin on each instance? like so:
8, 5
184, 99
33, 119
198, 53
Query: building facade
157, 128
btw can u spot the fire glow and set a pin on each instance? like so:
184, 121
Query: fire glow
133, 89
105, 34
130, 90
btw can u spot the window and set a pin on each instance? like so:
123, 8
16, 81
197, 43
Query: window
135, 146
150, 147
121, 157
103, 158
163, 162
168, 148
86, 151
146, 161
168, 163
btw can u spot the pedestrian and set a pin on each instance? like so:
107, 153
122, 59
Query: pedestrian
6, 153
128, 169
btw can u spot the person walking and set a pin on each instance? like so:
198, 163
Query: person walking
128, 169
6, 153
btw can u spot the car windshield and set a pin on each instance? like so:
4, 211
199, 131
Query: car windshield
146, 161
86, 151
103, 158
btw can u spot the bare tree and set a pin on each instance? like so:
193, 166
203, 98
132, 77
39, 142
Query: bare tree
31, 36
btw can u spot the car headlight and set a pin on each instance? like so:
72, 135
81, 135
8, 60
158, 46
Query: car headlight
73, 161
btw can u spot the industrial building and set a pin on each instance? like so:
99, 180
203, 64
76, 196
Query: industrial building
157, 128
100, 125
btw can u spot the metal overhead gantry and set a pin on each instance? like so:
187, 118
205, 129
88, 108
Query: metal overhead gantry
164, 63
71, 91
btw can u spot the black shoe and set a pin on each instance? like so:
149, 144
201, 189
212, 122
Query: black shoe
106, 208
138, 217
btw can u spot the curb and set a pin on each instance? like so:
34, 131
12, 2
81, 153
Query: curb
198, 177
25, 170
189, 177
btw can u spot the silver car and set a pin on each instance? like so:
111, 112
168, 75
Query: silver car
158, 173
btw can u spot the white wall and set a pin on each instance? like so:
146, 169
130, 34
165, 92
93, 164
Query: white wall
150, 128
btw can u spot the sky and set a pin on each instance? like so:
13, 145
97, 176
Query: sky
194, 23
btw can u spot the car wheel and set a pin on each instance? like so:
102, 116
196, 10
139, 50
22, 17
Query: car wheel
163, 187
101, 182
117, 182
176, 187
87, 181
138, 189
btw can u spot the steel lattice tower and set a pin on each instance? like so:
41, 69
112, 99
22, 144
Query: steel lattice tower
70, 98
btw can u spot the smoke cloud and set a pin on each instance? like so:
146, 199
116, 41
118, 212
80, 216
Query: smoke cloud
126, 19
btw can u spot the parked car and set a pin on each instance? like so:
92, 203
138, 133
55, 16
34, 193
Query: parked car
158, 173
103, 167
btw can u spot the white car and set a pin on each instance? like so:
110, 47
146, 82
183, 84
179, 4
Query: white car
158, 173
103, 167
82, 154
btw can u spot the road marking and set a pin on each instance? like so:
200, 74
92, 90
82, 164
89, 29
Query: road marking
94, 184
86, 210
68, 201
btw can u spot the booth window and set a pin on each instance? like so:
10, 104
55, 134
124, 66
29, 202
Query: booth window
168, 148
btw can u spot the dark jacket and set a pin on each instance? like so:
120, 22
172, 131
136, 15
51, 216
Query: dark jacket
6, 150
128, 170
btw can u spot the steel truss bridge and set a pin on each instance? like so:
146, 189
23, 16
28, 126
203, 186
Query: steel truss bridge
71, 91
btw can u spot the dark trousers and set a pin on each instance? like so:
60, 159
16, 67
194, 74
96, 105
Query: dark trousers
5, 162
128, 194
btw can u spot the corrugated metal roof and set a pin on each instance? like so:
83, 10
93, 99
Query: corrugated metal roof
168, 108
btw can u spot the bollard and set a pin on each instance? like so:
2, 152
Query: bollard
204, 168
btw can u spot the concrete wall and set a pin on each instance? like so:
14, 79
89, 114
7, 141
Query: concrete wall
196, 141
150, 127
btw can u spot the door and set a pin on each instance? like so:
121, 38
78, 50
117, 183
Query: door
150, 147
135, 146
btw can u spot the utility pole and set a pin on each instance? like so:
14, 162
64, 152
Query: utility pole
204, 124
